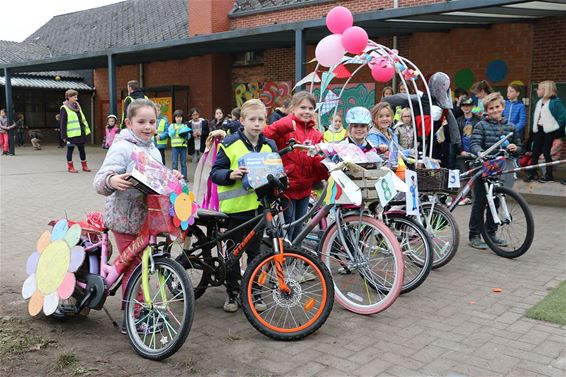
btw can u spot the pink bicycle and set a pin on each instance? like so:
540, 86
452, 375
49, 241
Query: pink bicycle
69, 274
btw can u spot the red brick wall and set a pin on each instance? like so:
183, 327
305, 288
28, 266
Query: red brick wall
308, 12
207, 16
548, 49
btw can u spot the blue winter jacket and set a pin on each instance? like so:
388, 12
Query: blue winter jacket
515, 112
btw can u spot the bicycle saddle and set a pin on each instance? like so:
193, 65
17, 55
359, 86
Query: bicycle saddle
207, 214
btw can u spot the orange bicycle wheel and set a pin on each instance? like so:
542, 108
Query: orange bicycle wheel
297, 313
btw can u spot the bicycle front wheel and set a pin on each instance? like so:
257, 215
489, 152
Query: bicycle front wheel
514, 236
443, 231
416, 247
294, 314
368, 269
158, 330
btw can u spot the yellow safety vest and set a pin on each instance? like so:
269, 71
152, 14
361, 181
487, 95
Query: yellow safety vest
73, 124
235, 198
160, 130
338, 136
176, 140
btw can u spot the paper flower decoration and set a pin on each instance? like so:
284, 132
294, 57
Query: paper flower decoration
409, 74
183, 208
51, 268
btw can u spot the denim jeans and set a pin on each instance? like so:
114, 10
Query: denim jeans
180, 153
295, 209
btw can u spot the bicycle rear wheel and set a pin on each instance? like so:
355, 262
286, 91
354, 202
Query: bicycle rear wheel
517, 228
416, 247
198, 276
158, 330
368, 278
297, 313
443, 232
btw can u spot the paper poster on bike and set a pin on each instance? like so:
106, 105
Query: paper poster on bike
412, 197
385, 187
454, 178
342, 190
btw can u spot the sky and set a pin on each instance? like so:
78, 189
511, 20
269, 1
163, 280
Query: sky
20, 18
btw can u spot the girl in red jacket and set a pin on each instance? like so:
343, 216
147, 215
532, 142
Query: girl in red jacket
302, 170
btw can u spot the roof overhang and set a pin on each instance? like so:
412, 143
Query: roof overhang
46, 83
439, 17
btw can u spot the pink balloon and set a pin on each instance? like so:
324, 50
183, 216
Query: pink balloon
355, 40
329, 50
382, 71
339, 19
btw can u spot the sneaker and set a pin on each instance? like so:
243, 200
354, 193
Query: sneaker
498, 241
477, 243
146, 325
231, 304
259, 305
465, 202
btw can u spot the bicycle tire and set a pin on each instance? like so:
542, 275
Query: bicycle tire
142, 321
260, 282
529, 232
200, 284
345, 273
416, 247
445, 246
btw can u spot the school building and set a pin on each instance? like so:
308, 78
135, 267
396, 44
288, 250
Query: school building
209, 53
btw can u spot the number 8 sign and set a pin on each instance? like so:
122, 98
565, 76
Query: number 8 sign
385, 187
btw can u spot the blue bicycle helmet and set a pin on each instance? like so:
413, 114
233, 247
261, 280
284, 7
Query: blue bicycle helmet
358, 115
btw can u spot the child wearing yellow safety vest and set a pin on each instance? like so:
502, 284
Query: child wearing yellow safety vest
335, 132
161, 132
241, 205
179, 133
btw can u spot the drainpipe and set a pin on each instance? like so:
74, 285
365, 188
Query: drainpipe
141, 75
394, 82
92, 118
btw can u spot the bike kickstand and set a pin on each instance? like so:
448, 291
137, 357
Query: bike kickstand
110, 317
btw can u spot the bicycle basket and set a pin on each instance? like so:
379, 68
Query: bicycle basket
431, 180
158, 218
493, 167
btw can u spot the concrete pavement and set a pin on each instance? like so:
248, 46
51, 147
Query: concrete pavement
453, 325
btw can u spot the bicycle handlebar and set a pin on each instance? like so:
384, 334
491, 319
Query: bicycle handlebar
274, 181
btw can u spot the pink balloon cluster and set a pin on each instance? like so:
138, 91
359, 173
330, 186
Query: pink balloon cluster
330, 50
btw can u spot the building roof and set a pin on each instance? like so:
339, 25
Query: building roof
45, 83
246, 7
128, 23
13, 52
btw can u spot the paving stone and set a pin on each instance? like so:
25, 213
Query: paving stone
433, 331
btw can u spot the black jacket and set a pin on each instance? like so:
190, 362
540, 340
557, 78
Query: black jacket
220, 173
136, 94
276, 115
488, 132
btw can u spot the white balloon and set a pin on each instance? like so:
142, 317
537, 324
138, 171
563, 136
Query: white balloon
329, 50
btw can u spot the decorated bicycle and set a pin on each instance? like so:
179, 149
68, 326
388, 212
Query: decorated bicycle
69, 272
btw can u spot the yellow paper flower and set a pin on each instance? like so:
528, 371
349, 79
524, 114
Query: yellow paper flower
51, 268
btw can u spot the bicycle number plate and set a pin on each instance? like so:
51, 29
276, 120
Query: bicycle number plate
386, 190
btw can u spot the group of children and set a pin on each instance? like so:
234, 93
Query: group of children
371, 130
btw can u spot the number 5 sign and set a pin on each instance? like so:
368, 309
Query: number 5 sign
385, 187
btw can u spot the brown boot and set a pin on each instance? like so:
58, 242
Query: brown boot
71, 168
85, 166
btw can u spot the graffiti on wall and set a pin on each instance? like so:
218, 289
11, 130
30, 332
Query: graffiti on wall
271, 93
362, 94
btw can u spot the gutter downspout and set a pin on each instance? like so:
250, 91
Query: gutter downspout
141, 75
92, 119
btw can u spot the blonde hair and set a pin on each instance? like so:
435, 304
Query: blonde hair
406, 111
495, 96
549, 87
252, 104
377, 109
137, 104
300, 96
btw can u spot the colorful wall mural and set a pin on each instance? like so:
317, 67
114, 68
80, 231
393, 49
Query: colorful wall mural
358, 94
270, 92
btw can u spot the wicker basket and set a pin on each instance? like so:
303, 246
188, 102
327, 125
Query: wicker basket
432, 180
